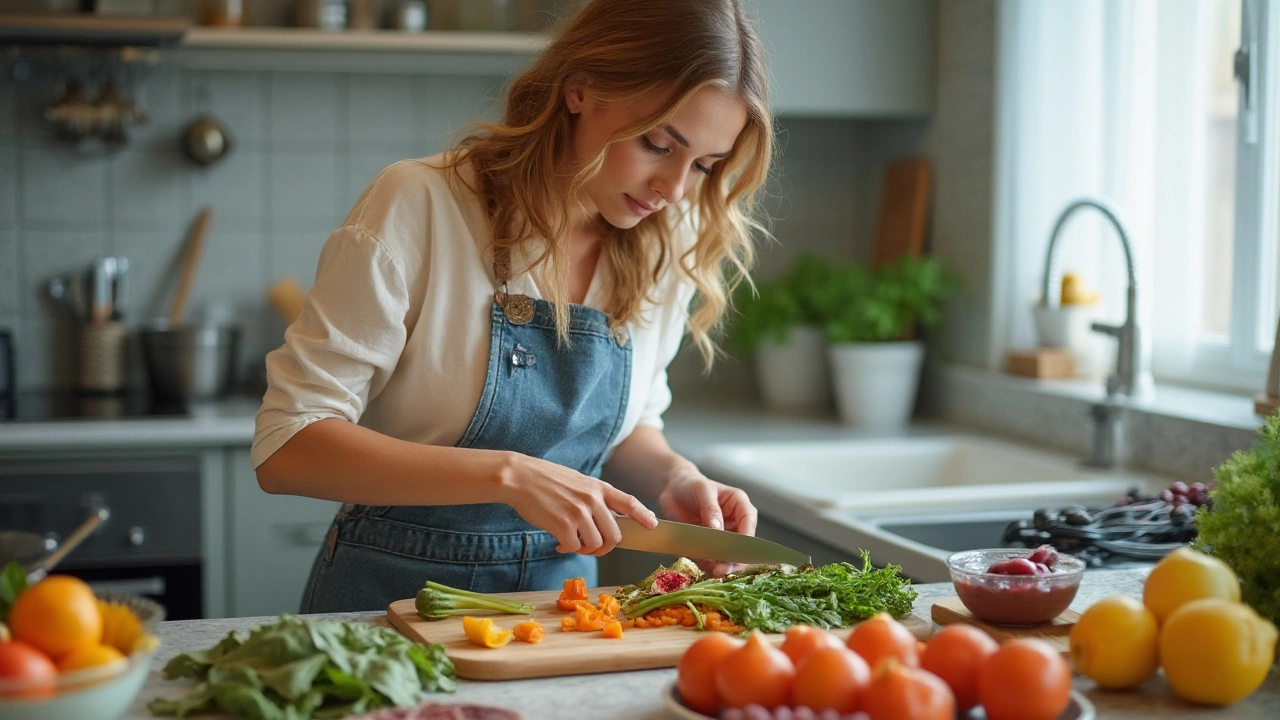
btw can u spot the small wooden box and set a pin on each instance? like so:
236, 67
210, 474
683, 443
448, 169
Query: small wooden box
1043, 363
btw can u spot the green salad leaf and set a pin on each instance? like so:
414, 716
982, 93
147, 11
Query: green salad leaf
771, 600
296, 669
1241, 524
13, 581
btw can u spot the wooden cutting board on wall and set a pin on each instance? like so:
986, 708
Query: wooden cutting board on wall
904, 210
562, 653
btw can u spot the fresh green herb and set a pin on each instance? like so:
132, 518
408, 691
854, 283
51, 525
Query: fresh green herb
835, 595
770, 308
858, 304
13, 581
297, 669
1241, 525
436, 601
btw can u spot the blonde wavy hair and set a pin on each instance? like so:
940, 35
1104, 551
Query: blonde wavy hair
631, 49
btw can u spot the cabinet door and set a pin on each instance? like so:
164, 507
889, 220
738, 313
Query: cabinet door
272, 541
850, 58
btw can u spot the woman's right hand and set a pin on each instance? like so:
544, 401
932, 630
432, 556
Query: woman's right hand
577, 509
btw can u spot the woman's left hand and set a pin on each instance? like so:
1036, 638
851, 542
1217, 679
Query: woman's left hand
691, 497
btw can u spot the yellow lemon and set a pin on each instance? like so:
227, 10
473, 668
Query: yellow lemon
1215, 651
1115, 643
1185, 575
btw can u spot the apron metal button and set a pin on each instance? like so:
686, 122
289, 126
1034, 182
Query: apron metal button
519, 309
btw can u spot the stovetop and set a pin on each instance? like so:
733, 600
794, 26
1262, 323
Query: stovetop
52, 406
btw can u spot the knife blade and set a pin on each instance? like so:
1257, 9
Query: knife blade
704, 543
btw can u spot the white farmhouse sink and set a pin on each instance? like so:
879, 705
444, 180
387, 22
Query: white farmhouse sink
877, 476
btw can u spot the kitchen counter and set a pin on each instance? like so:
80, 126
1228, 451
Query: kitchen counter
638, 695
218, 423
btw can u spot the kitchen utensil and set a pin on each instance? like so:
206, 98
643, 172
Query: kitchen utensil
904, 210
39, 554
206, 141
1056, 632
704, 543
564, 653
288, 298
42, 567
190, 259
190, 362
120, 289
101, 283
100, 356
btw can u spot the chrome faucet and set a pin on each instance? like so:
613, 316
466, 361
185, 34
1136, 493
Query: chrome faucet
1127, 378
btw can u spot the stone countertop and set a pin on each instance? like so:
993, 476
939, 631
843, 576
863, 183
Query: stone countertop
637, 695
219, 423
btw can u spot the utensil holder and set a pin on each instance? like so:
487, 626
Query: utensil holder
100, 357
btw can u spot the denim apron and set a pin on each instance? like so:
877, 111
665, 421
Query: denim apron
564, 404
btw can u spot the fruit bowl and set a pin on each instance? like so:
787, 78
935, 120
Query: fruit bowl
1014, 599
104, 692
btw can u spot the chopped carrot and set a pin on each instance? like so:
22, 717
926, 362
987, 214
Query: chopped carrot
568, 623
712, 623
530, 631
639, 622
627, 624
688, 620
609, 605
670, 621
588, 618
613, 630
574, 589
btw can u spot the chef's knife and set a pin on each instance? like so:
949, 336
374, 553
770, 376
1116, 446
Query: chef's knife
704, 543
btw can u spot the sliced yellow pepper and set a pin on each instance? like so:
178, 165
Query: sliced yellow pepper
482, 632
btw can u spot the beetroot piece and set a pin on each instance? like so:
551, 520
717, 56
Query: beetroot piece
1045, 554
669, 581
1013, 566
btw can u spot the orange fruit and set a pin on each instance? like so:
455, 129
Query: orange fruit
1115, 643
955, 654
898, 692
696, 671
756, 673
90, 656
56, 616
803, 639
880, 637
831, 678
1026, 679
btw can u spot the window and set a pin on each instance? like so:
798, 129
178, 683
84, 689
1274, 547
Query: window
1137, 103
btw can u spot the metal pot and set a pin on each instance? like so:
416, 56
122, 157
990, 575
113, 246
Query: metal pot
191, 362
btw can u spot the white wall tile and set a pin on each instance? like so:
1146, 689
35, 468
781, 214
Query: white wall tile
49, 253
454, 101
62, 189
304, 111
237, 100
159, 92
155, 261
149, 189
295, 254
8, 187
304, 187
30, 98
231, 277
9, 292
384, 113
234, 188
46, 354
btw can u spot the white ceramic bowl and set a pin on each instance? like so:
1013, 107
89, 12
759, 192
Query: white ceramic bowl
101, 693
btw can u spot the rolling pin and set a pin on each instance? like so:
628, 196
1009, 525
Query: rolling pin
288, 298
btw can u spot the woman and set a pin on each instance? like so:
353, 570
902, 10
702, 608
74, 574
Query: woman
498, 320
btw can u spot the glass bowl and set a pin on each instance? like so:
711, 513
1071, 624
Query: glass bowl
104, 692
1013, 599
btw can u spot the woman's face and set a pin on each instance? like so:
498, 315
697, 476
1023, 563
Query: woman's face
642, 175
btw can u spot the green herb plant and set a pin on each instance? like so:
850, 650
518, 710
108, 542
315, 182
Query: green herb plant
436, 601
835, 595
296, 669
858, 304
1241, 525
13, 582
770, 308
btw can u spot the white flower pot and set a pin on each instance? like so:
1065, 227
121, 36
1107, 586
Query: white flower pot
793, 375
876, 383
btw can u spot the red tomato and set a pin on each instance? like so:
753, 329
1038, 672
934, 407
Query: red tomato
1025, 679
831, 678
898, 692
880, 637
956, 654
696, 671
755, 673
32, 670
802, 639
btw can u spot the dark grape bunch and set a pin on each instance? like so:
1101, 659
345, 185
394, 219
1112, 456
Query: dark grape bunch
758, 712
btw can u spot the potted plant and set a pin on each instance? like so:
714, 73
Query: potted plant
872, 319
780, 326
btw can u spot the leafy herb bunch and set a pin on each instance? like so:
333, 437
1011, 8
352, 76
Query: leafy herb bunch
859, 304
770, 308
1241, 525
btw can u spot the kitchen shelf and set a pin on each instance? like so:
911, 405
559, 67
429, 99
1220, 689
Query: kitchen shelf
383, 51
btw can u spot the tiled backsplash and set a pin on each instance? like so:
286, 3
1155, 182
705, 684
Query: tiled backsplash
304, 146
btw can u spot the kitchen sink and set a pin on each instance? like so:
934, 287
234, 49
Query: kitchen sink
908, 475
956, 532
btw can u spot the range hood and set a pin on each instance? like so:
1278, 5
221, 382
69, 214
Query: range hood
95, 30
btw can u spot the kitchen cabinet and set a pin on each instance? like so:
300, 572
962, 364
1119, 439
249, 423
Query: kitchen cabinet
850, 58
271, 542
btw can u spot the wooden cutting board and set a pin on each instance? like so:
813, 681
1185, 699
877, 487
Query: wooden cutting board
1056, 632
562, 653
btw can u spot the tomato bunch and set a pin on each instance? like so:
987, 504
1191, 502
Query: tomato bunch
881, 672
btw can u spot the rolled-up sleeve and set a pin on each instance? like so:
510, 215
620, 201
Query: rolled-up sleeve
342, 348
